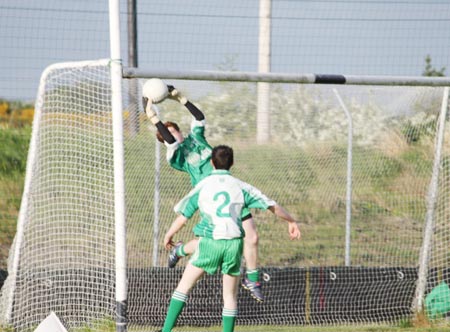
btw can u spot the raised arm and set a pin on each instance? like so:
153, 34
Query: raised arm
294, 230
151, 114
174, 94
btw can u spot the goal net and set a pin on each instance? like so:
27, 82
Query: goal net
358, 260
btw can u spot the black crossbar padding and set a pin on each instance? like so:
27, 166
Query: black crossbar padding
330, 79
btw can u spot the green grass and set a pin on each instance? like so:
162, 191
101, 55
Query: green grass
421, 325
311, 329
320, 329
110, 327
13, 155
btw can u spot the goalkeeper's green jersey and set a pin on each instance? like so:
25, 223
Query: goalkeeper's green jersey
220, 199
193, 155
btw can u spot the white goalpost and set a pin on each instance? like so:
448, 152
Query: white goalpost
432, 198
121, 284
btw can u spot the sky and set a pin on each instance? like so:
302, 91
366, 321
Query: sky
357, 37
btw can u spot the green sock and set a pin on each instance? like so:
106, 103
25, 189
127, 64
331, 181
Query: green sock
177, 303
253, 275
180, 251
229, 319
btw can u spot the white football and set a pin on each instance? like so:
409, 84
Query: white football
155, 89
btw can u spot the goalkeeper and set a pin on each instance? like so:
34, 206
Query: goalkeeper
192, 154
220, 198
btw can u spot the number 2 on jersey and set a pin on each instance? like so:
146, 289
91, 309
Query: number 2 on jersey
225, 203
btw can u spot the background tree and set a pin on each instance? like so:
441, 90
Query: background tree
430, 70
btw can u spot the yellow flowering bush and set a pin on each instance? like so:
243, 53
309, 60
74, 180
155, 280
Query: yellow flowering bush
4, 108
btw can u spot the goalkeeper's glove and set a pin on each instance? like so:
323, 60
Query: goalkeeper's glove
174, 94
151, 114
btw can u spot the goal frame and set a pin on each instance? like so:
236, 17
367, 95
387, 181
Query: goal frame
119, 201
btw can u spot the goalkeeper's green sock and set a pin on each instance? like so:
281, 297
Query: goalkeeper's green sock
180, 251
253, 275
229, 319
177, 303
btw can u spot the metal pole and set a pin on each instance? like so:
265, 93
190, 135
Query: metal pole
133, 93
348, 200
263, 88
156, 199
431, 204
242, 76
132, 34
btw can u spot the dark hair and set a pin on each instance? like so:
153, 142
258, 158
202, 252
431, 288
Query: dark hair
167, 124
222, 157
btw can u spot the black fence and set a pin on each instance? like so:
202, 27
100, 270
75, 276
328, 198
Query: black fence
296, 296
293, 296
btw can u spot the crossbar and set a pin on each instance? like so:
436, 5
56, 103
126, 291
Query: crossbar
239, 76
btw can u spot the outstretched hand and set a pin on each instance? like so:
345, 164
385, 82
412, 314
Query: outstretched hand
294, 231
144, 102
174, 94
170, 88
151, 114
147, 104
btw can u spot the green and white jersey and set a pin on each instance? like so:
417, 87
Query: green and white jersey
193, 155
220, 199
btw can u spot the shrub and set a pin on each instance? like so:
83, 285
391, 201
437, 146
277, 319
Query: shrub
13, 154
